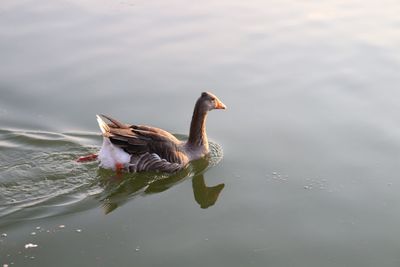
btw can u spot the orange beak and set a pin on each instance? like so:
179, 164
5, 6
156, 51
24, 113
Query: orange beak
219, 105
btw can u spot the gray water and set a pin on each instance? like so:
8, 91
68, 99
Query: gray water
310, 139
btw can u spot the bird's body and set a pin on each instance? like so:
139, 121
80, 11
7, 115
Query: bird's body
145, 148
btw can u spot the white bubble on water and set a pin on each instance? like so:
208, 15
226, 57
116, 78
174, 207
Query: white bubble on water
30, 245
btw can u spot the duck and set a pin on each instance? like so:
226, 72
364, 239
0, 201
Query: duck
140, 148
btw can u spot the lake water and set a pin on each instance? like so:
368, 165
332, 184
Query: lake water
311, 137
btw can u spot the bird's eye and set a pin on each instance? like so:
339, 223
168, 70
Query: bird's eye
212, 99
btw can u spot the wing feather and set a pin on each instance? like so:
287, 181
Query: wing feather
155, 149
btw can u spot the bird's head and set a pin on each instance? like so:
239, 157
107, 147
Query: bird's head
210, 101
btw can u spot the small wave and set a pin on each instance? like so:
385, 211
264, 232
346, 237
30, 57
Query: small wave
37, 168
39, 175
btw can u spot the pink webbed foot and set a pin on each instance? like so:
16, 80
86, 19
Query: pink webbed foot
119, 167
87, 158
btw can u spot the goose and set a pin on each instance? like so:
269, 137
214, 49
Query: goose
138, 148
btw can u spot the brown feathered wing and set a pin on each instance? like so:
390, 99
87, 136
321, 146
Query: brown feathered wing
150, 148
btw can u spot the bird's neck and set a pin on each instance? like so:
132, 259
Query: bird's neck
198, 135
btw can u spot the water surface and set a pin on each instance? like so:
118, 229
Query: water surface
311, 137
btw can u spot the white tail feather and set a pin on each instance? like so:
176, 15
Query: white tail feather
103, 126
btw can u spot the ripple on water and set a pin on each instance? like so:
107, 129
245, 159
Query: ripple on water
39, 175
38, 170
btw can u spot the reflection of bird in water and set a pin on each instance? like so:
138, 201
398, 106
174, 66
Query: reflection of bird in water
119, 189
205, 196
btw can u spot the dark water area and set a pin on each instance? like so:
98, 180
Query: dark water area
311, 137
